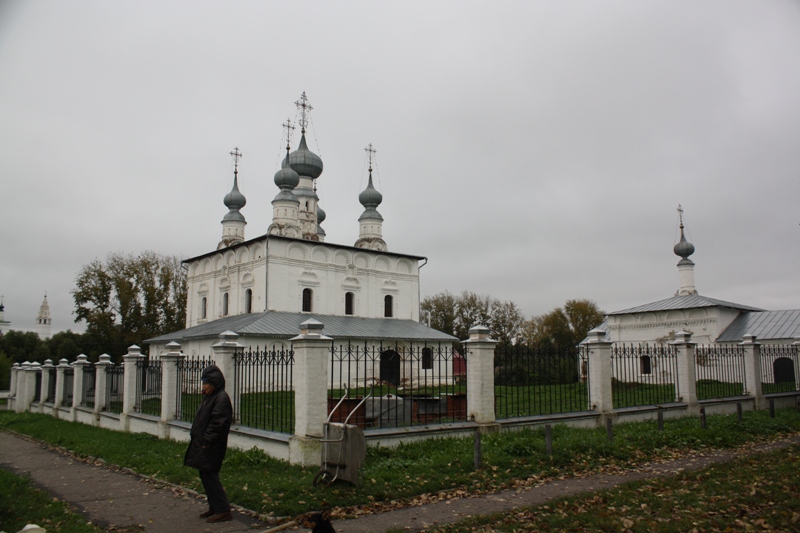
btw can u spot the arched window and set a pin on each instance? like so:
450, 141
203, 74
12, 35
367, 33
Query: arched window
348, 303
308, 296
248, 301
225, 304
203, 307
388, 306
427, 358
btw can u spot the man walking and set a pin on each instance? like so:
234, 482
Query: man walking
209, 442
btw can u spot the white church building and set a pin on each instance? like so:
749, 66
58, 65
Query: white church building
263, 288
709, 320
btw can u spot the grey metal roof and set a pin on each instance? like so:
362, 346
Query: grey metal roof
765, 325
684, 302
287, 325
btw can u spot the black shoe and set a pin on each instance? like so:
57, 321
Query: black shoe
220, 517
207, 514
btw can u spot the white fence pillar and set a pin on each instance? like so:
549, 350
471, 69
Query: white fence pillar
600, 387
45, 386
63, 365
224, 356
12, 386
77, 384
169, 388
101, 383
687, 371
480, 376
752, 370
26, 387
129, 391
311, 358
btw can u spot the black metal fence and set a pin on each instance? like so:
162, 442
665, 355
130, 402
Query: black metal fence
37, 393
719, 371
69, 380
148, 387
189, 396
51, 385
405, 384
265, 395
87, 394
115, 379
643, 375
780, 371
539, 381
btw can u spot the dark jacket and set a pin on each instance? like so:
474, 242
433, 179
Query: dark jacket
209, 436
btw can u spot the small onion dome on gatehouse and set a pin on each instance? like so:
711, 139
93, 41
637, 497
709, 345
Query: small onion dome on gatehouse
320, 215
304, 161
370, 197
684, 248
234, 201
286, 178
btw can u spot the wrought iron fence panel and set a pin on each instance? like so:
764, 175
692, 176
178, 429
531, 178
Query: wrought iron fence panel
265, 390
539, 381
719, 371
189, 387
115, 379
643, 375
51, 385
69, 380
37, 393
780, 368
406, 384
148, 386
87, 395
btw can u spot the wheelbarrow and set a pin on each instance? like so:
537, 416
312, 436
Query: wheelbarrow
343, 447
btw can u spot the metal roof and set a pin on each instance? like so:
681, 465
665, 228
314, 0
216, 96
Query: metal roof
684, 302
765, 325
287, 325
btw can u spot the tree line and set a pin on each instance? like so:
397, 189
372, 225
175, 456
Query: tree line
563, 327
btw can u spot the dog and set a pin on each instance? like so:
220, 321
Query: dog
317, 522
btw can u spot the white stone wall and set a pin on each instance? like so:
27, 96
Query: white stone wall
657, 327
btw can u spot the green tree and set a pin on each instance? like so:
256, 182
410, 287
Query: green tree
563, 327
23, 346
472, 309
439, 312
505, 322
5, 371
129, 299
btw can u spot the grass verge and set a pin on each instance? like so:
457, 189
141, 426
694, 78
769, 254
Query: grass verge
756, 493
421, 471
21, 504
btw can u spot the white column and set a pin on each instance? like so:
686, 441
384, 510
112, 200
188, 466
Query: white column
480, 376
169, 389
12, 389
311, 358
100, 382
129, 391
752, 370
77, 384
687, 372
48, 364
63, 364
26, 385
600, 392
224, 352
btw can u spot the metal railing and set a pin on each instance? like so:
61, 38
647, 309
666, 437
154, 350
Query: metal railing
189, 387
533, 381
69, 380
115, 375
719, 371
643, 375
780, 368
37, 393
263, 381
148, 387
50, 397
407, 384
87, 394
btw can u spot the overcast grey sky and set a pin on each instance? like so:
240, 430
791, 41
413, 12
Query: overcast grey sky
534, 151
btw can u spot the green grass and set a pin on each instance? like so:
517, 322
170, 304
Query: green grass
515, 401
22, 504
409, 471
755, 493
710, 388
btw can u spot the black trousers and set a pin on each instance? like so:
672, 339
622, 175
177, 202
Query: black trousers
217, 500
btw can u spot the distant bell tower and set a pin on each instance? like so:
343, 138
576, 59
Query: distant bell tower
43, 320
233, 222
4, 325
370, 222
685, 266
